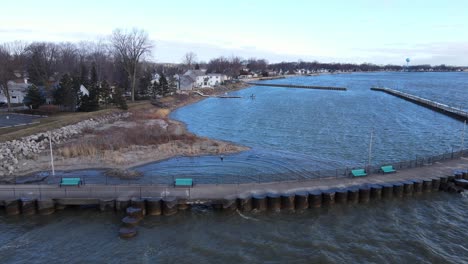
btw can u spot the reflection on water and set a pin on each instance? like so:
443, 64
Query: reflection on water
427, 229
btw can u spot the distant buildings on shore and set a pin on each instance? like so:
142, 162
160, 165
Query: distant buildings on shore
194, 79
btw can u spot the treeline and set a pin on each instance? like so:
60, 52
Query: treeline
120, 65
350, 67
107, 69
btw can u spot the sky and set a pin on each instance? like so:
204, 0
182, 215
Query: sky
380, 32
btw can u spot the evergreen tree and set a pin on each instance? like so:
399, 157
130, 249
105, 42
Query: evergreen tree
34, 97
163, 85
91, 102
66, 94
106, 93
145, 85
119, 99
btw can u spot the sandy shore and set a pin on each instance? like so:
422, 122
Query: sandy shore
150, 118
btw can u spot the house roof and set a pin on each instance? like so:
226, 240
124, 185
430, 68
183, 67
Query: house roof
195, 73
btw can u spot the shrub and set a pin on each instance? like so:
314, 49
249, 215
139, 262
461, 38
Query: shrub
48, 109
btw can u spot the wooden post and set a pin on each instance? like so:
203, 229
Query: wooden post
370, 152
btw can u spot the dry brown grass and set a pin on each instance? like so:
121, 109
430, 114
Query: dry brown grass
119, 138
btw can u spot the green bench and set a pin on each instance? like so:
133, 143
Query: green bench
70, 182
359, 173
387, 169
183, 183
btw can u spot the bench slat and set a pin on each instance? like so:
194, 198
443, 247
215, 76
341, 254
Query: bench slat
183, 182
387, 169
359, 172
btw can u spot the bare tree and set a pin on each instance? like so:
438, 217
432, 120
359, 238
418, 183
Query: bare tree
189, 59
43, 61
11, 61
129, 48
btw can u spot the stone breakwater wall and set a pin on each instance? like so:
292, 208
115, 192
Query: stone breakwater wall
15, 152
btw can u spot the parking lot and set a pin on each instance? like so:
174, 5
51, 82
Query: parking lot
9, 119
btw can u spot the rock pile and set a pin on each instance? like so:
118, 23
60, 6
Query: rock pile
13, 152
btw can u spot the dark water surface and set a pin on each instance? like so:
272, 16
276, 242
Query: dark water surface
426, 229
293, 133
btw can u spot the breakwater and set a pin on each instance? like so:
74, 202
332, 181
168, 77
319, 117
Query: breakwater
300, 86
436, 106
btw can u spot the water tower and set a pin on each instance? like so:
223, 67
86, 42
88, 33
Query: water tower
407, 64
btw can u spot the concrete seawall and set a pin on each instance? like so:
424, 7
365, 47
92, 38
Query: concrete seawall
436, 106
141, 201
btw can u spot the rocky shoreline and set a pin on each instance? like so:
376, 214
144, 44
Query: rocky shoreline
30, 154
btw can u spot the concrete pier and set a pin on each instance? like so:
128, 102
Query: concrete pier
364, 194
309, 193
259, 202
376, 192
387, 190
328, 197
299, 86
436, 106
341, 196
301, 200
229, 203
46, 206
28, 206
274, 202
315, 199
435, 184
408, 188
122, 203
427, 185
153, 206
169, 206
287, 201
353, 195
398, 189
106, 205
12, 207
418, 186
244, 202
139, 203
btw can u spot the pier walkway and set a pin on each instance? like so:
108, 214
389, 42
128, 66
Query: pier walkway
91, 193
439, 107
299, 86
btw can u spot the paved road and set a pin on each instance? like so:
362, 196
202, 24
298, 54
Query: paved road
213, 191
10, 119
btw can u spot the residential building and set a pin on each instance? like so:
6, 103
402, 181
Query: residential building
193, 79
17, 89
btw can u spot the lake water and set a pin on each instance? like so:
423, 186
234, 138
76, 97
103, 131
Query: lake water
300, 133
291, 132
295, 132
427, 229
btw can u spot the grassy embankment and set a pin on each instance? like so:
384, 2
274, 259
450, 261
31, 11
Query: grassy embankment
60, 120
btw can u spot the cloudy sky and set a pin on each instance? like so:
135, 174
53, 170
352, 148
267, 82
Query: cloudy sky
357, 31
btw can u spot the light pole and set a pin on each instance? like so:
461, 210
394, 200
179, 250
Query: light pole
51, 154
370, 151
463, 139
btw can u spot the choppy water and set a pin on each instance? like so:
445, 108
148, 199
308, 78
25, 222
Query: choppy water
293, 133
426, 229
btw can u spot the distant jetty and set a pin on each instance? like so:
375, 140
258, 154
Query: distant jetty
300, 86
436, 106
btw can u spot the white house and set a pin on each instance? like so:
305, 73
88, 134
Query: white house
17, 89
210, 80
193, 79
